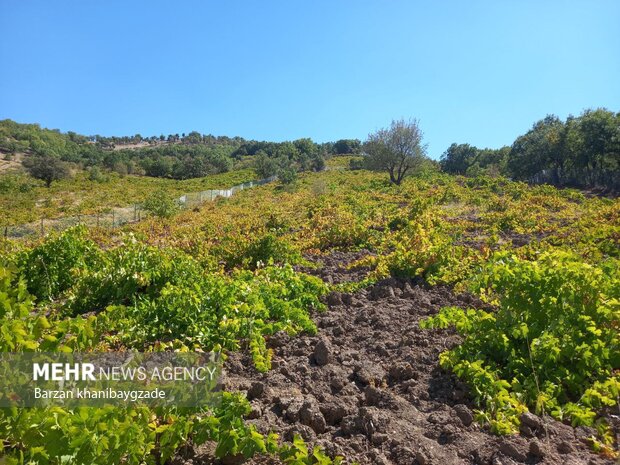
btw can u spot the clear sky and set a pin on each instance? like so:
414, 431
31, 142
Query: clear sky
471, 71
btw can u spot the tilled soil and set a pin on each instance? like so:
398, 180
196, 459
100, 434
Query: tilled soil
368, 387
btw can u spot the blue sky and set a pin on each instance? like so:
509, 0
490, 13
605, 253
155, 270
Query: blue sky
471, 71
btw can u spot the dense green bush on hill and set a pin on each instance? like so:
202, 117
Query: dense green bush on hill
582, 151
178, 157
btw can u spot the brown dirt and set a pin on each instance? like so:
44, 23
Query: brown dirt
9, 165
368, 387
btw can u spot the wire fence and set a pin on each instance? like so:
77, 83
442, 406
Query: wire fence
118, 216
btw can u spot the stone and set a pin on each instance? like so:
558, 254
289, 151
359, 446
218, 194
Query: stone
565, 447
322, 353
531, 420
421, 458
464, 414
509, 449
256, 390
332, 412
334, 299
537, 448
311, 416
379, 438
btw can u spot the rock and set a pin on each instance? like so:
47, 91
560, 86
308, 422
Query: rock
401, 372
334, 299
369, 374
378, 458
311, 416
256, 390
278, 339
347, 299
322, 353
351, 424
376, 396
337, 383
565, 447
404, 454
379, 438
290, 407
464, 414
332, 412
509, 449
379, 292
407, 290
537, 448
304, 431
531, 420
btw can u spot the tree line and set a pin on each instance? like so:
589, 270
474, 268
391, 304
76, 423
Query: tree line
49, 154
582, 151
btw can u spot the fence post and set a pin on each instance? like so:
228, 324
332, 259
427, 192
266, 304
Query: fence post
112, 218
42, 230
135, 211
6, 232
97, 219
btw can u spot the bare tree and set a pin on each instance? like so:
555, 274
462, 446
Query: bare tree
398, 149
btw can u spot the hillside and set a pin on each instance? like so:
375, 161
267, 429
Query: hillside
176, 156
383, 323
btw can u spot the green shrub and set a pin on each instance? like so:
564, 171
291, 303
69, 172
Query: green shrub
552, 346
161, 204
52, 267
128, 273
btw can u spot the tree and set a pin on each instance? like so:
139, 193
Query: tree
468, 160
541, 148
264, 165
458, 158
346, 146
596, 151
398, 149
193, 137
317, 162
46, 168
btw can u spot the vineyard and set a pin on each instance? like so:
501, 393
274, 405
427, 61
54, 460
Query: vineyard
444, 320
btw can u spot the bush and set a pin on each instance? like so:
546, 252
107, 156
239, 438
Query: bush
161, 204
96, 175
15, 183
552, 345
356, 164
50, 268
287, 175
270, 249
126, 272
